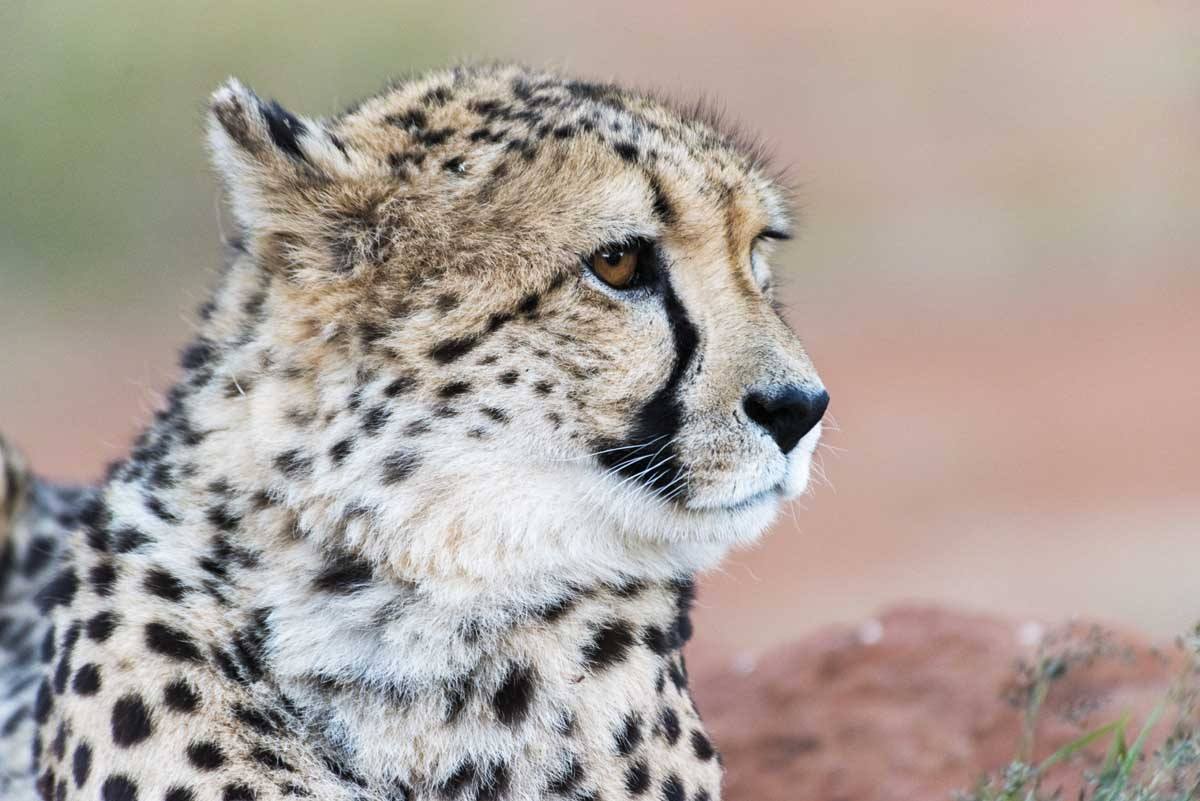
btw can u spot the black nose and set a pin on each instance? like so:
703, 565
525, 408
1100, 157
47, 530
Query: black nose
786, 414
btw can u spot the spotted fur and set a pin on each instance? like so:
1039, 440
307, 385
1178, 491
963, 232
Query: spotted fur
420, 518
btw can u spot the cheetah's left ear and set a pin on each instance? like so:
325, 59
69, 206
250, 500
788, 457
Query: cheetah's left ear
265, 153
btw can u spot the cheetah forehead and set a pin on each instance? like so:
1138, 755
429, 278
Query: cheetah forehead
429, 152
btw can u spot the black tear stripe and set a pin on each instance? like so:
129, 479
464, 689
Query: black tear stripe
650, 442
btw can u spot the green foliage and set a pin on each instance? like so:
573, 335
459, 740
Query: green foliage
106, 183
1128, 771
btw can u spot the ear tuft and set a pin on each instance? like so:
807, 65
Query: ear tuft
267, 131
261, 150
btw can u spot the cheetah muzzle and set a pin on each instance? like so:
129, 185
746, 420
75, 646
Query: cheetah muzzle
492, 372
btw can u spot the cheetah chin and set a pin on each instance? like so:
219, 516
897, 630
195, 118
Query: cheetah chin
493, 369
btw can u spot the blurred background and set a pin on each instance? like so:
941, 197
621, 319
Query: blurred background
998, 272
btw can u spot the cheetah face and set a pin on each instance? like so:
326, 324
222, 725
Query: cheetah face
525, 309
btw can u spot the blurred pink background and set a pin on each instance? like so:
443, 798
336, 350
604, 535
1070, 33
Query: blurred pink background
997, 273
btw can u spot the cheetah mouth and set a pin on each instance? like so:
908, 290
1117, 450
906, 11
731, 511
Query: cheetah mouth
770, 495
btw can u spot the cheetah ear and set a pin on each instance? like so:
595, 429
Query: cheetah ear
265, 153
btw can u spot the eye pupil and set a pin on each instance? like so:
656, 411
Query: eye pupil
613, 257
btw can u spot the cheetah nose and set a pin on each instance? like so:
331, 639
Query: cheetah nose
787, 414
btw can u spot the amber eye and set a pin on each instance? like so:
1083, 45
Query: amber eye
617, 266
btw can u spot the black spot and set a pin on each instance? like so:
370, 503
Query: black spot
702, 746
163, 584
565, 782
400, 161
205, 755
249, 644
179, 696
656, 640
62, 672
338, 768
87, 679
669, 723
677, 674
269, 759
131, 722
609, 646
433, 137
156, 508
293, 464
172, 642
43, 702
119, 787
14, 720
627, 151
102, 576
226, 664
45, 783
685, 596
400, 386
450, 350
59, 592
497, 415
255, 719
509, 377
370, 333
416, 428
129, 539
399, 466
375, 418
284, 128
637, 778
100, 627
47, 652
455, 165
437, 96
38, 554
81, 763
340, 450
344, 574
543, 387
58, 746
493, 784
408, 120
498, 321
629, 736
238, 792
454, 389
178, 793
662, 205
672, 789
514, 697
529, 304
196, 355
222, 518
453, 784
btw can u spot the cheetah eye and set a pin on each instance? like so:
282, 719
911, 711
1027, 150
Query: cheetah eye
620, 266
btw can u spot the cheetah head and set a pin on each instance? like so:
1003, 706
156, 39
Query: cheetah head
523, 321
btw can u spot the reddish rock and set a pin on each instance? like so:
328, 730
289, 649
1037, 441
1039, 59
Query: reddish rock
913, 705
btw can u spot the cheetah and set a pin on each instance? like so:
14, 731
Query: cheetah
492, 372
